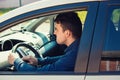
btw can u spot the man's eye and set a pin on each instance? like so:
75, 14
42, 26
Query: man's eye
55, 28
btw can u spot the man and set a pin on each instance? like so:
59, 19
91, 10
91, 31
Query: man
68, 29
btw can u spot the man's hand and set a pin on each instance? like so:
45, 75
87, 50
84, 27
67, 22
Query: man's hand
12, 57
31, 60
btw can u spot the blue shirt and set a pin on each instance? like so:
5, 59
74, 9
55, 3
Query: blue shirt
65, 62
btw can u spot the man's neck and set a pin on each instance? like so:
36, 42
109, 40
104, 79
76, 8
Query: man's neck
70, 41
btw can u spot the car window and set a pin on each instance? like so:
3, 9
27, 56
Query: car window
110, 60
36, 31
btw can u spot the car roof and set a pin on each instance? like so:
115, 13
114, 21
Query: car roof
38, 5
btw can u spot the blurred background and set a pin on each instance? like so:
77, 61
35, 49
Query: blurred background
7, 5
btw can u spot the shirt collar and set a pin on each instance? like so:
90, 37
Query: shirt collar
75, 43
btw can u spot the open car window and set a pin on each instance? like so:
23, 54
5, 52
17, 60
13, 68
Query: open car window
38, 33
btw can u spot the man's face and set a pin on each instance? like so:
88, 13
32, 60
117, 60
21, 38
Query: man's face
60, 34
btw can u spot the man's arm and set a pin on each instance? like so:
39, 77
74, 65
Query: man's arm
21, 65
65, 63
48, 60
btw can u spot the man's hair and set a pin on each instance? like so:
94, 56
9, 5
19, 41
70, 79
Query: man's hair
70, 21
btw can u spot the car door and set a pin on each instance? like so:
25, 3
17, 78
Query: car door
104, 56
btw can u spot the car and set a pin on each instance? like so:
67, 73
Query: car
28, 30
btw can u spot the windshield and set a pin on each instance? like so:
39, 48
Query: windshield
17, 28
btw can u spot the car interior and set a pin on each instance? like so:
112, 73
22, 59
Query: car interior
33, 37
26, 41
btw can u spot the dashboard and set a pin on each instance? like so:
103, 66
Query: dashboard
8, 42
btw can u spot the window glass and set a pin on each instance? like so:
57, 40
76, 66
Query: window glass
111, 52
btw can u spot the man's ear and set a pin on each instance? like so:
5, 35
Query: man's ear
68, 33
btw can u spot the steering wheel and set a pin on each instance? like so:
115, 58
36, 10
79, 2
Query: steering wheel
22, 53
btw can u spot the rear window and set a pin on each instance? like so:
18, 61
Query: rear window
111, 52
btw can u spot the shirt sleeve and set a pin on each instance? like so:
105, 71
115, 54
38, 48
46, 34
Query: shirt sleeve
20, 65
65, 63
48, 60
